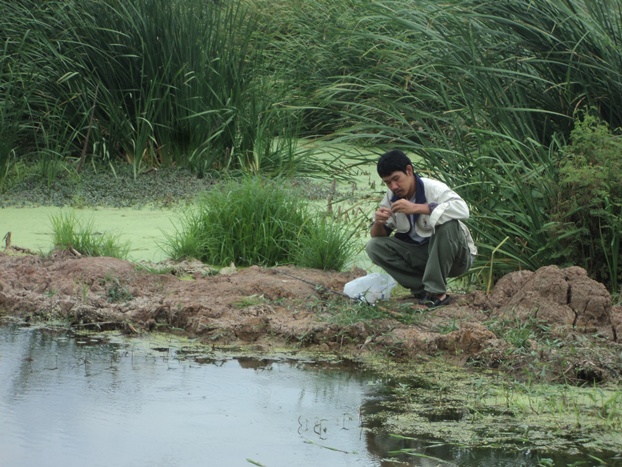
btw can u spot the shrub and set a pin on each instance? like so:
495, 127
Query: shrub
589, 202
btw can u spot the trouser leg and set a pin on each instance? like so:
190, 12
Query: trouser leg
423, 267
448, 256
404, 262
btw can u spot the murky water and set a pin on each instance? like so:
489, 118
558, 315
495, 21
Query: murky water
70, 400
75, 402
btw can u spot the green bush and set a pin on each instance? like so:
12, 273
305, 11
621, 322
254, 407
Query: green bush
259, 222
589, 203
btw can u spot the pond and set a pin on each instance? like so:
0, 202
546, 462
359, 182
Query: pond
104, 399
79, 401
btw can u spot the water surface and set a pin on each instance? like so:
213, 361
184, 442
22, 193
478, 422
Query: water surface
144, 229
79, 401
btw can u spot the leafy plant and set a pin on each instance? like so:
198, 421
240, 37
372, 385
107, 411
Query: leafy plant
589, 203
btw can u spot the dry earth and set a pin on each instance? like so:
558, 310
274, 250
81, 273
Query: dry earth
286, 307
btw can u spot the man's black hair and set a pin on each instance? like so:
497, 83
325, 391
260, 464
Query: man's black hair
392, 161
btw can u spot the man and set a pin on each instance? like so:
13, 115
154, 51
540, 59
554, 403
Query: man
430, 243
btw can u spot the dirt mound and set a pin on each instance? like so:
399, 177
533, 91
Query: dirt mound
272, 307
559, 297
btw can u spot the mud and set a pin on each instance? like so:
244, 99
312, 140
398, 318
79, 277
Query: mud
574, 329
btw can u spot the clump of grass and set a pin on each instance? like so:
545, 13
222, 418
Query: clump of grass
350, 313
70, 232
115, 292
326, 244
254, 221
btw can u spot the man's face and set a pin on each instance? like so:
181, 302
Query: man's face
400, 183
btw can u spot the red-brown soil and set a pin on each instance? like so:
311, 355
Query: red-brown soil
287, 307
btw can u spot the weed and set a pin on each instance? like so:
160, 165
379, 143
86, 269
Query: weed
252, 300
519, 333
347, 313
446, 328
71, 233
115, 292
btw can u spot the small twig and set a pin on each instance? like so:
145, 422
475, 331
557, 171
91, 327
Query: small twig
74, 252
318, 286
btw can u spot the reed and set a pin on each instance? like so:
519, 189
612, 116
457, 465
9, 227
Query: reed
147, 82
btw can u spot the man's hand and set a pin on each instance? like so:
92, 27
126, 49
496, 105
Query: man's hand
407, 207
382, 215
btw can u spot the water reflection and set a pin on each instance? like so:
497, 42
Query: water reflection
82, 401
76, 400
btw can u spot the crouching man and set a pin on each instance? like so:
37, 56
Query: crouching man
417, 235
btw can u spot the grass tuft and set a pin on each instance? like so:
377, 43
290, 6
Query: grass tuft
69, 232
254, 221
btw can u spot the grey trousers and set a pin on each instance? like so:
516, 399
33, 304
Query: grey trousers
423, 268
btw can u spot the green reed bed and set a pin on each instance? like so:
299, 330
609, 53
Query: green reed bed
144, 82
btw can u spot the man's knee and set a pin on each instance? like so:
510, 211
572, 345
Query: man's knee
448, 229
372, 248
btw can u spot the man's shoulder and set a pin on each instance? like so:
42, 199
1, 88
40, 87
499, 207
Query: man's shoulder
433, 183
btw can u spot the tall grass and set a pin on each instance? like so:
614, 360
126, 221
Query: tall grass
257, 221
487, 94
149, 83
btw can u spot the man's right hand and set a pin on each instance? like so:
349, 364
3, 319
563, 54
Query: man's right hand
381, 217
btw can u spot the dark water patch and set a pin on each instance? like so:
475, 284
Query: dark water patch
448, 415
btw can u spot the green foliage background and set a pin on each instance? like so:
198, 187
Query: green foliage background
491, 96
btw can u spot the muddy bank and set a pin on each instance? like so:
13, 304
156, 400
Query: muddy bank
557, 318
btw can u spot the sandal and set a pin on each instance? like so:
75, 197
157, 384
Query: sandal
432, 301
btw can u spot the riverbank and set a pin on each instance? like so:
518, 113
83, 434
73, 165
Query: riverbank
536, 330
